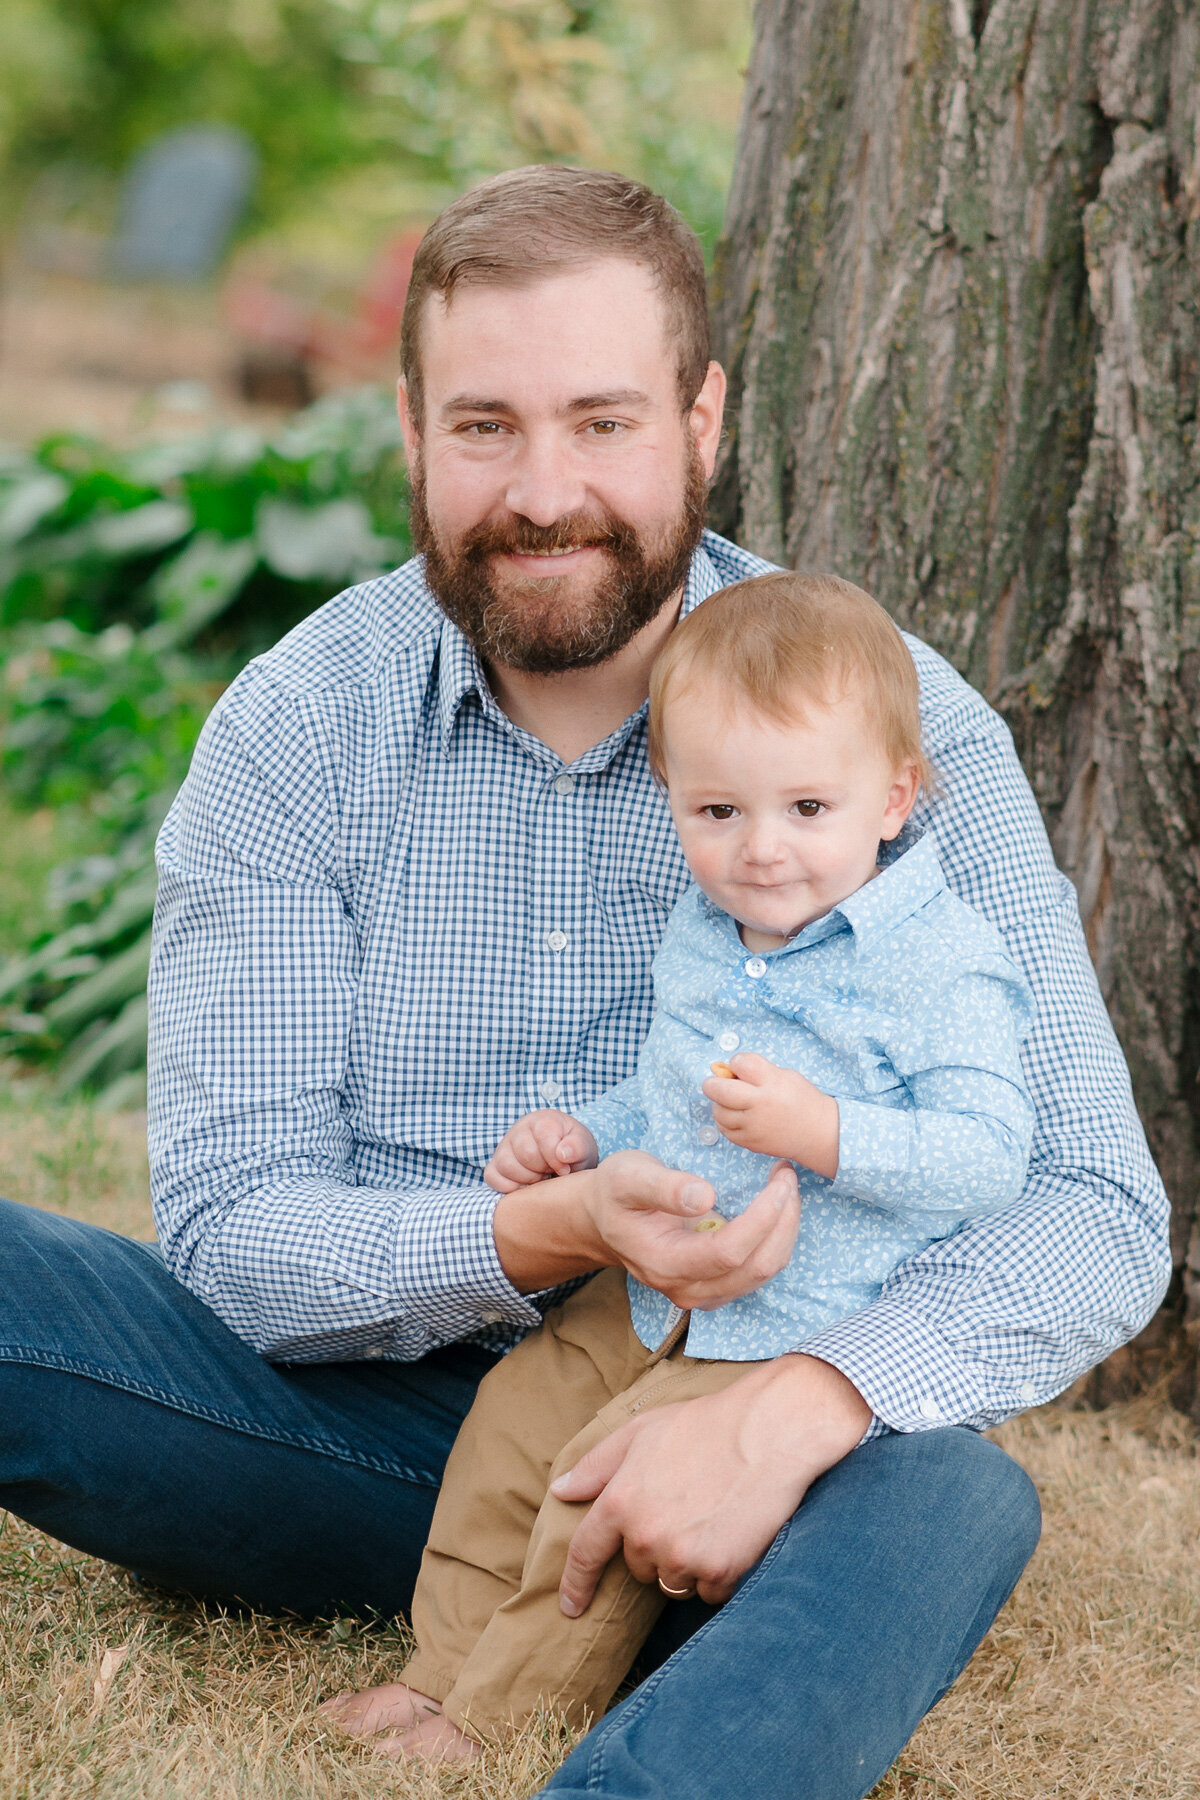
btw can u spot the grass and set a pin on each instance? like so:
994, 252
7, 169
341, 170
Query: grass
1088, 1686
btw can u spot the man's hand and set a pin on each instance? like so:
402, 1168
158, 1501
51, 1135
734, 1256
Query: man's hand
634, 1213
694, 1493
643, 1223
777, 1112
541, 1144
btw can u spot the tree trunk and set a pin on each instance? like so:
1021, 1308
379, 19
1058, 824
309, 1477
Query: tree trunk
959, 299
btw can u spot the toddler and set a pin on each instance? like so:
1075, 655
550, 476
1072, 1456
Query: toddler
820, 996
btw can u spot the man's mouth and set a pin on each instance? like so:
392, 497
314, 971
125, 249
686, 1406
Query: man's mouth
566, 550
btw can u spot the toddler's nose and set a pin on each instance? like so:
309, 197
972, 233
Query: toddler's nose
762, 846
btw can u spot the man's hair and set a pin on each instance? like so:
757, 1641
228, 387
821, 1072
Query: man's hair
787, 643
518, 228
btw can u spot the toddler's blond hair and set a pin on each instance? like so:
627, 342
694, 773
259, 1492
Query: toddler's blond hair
786, 643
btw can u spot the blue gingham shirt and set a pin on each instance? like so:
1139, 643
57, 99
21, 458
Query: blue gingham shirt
390, 921
902, 1003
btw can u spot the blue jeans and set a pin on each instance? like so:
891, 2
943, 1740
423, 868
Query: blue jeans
135, 1426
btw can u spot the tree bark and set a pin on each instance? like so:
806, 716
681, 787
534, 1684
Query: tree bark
959, 300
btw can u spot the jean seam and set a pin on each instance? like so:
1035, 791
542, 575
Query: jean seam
144, 1390
638, 1701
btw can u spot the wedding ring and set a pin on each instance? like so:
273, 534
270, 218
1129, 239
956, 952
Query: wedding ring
675, 1593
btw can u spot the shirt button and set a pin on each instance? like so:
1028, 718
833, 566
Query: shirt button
708, 1134
564, 784
728, 1040
550, 1089
929, 1409
1027, 1392
374, 1353
755, 966
491, 1318
557, 940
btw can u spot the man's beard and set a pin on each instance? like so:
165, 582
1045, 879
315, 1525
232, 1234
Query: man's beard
535, 625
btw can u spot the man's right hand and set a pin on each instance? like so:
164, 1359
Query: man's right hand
634, 1213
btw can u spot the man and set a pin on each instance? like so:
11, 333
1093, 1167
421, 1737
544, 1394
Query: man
410, 890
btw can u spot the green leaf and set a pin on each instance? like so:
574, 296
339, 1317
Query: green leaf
336, 541
196, 586
141, 528
119, 1047
28, 502
98, 994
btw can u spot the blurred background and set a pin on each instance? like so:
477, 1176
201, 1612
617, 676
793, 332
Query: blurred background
207, 218
211, 204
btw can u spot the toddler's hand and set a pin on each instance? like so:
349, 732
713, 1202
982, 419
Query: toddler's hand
775, 1111
540, 1144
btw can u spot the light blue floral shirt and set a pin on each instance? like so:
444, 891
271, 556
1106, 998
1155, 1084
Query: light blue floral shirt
903, 1004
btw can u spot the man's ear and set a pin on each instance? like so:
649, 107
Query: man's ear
902, 797
705, 417
408, 425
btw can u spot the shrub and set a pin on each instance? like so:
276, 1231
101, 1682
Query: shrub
132, 589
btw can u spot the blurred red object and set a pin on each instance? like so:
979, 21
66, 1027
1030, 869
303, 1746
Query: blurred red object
283, 335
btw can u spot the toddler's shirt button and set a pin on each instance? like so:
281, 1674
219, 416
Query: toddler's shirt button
755, 966
728, 1040
708, 1134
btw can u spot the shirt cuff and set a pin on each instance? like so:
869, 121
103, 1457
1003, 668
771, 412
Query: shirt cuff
909, 1376
874, 1144
610, 1124
449, 1273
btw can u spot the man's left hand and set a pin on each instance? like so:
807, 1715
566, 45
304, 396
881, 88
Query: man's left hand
695, 1493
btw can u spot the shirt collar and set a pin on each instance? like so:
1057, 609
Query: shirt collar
909, 877
460, 673
904, 884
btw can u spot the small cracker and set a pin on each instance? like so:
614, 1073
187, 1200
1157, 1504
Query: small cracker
723, 1070
710, 1222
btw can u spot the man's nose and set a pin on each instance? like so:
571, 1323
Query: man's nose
543, 486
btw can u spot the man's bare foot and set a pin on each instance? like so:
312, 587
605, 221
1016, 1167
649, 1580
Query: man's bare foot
435, 1739
393, 1708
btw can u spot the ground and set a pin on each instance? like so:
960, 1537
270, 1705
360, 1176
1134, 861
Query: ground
1086, 1688
136, 362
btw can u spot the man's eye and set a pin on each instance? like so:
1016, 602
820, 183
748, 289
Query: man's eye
483, 428
809, 809
605, 427
720, 812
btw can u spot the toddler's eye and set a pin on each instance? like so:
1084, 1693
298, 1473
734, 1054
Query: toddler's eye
809, 809
720, 812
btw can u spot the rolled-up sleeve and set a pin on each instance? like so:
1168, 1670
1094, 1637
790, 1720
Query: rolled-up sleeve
252, 990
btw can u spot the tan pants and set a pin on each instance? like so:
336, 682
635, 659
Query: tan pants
492, 1644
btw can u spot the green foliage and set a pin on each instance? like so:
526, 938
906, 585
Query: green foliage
422, 97
133, 587
92, 80
468, 89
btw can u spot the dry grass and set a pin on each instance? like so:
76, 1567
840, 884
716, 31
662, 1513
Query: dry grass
73, 1158
1088, 1687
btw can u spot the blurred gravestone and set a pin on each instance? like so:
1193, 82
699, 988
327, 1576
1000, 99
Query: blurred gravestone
181, 199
